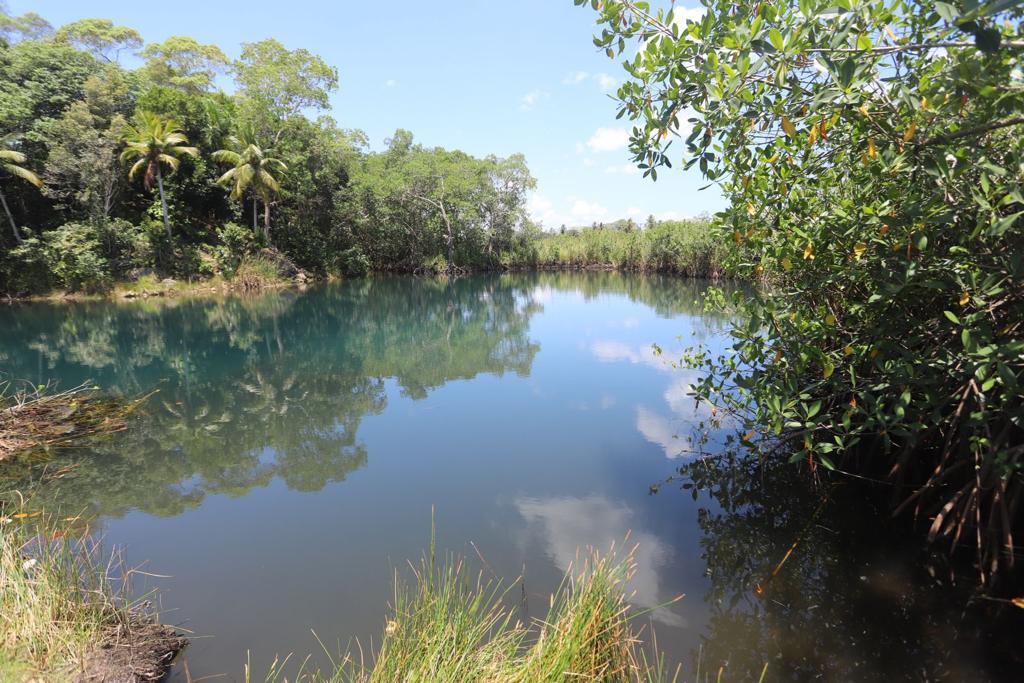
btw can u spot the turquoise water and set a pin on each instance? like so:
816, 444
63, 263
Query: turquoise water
298, 444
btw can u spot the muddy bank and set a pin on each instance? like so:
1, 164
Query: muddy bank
135, 650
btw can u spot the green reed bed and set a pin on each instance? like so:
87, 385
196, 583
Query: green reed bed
685, 248
450, 625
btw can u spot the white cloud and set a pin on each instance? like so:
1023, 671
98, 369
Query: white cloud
588, 162
608, 139
390, 83
658, 430
532, 98
587, 212
575, 78
614, 352
542, 210
569, 526
638, 214
624, 169
605, 82
680, 15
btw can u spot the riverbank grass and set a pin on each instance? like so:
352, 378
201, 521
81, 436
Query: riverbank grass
450, 625
62, 614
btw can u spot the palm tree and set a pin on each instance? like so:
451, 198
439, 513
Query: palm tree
10, 161
155, 142
251, 171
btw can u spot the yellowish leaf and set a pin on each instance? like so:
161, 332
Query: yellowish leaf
778, 355
911, 129
872, 151
812, 137
749, 436
1018, 602
828, 369
809, 251
885, 229
788, 126
751, 209
830, 320
822, 126
787, 264
772, 159
859, 249
847, 350
863, 109
964, 298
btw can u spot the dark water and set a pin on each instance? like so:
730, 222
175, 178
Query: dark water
299, 441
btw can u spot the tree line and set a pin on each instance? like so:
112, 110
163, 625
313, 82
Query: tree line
107, 171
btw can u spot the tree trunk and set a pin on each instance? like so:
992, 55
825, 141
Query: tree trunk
7, 210
266, 221
163, 200
255, 223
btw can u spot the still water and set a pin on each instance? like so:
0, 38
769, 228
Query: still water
297, 445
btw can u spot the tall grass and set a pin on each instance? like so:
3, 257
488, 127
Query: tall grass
453, 626
256, 272
56, 603
680, 247
64, 610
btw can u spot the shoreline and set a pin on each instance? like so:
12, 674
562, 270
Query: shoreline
127, 290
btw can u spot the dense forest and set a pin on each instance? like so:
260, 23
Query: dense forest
109, 171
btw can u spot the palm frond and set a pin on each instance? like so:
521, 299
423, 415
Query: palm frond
12, 156
22, 173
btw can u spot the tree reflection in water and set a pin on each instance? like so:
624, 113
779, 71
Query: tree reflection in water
856, 600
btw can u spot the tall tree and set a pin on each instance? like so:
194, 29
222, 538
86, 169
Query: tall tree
275, 84
155, 142
184, 63
251, 171
10, 165
101, 37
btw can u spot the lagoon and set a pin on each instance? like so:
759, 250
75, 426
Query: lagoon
298, 446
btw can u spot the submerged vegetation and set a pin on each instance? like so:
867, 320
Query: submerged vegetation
40, 419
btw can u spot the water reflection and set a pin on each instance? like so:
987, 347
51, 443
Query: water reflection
856, 599
298, 442
568, 526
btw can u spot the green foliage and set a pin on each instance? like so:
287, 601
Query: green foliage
237, 242
155, 143
72, 255
872, 156
353, 263
101, 37
418, 207
184, 63
682, 247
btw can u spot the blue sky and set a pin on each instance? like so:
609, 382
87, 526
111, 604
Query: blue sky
478, 75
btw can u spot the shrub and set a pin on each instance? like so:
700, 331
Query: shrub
353, 263
72, 255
